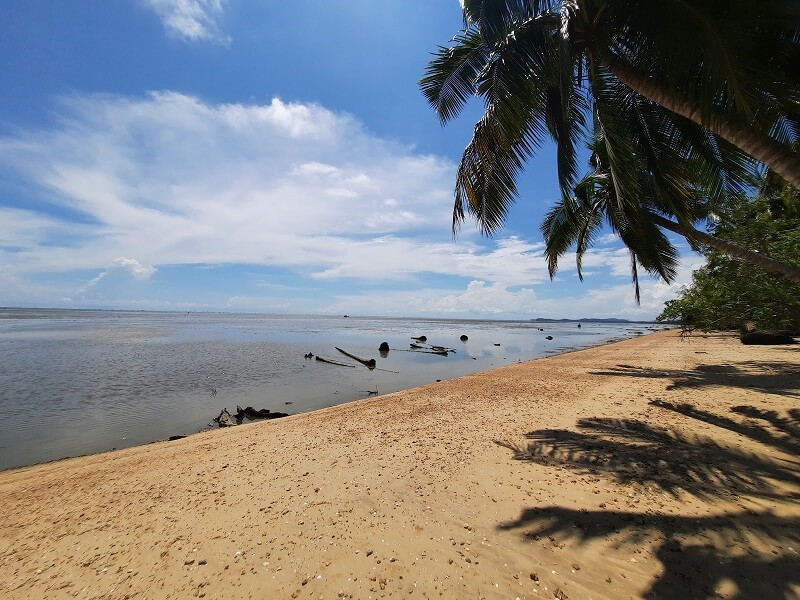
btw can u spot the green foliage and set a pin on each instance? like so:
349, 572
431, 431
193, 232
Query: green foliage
565, 70
576, 221
727, 293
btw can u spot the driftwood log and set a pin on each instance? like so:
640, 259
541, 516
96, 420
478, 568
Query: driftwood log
766, 338
333, 361
226, 420
422, 349
442, 348
253, 414
367, 362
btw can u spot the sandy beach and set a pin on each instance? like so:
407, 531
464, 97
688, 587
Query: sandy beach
656, 467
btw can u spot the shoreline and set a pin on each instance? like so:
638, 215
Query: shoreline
584, 473
209, 427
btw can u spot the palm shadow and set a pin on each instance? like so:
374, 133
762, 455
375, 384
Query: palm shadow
693, 568
772, 377
789, 425
781, 433
631, 451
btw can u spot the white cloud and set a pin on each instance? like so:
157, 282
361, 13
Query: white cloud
93, 282
119, 265
480, 299
172, 180
191, 20
137, 269
605, 240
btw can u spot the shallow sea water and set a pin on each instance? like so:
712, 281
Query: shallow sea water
77, 382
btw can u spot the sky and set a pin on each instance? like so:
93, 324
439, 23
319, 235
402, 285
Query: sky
277, 157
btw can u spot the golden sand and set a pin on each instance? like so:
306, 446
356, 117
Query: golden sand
654, 467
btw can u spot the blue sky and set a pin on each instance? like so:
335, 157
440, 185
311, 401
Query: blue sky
260, 156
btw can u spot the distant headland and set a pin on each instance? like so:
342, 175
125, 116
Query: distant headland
589, 320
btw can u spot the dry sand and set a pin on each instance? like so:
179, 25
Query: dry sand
654, 467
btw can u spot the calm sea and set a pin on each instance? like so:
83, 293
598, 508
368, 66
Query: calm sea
76, 382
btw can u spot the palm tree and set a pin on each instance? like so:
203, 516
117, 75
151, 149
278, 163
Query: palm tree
575, 221
729, 82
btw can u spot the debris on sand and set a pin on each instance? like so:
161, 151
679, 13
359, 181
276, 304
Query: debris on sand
224, 419
253, 414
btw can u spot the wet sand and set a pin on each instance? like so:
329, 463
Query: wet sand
653, 467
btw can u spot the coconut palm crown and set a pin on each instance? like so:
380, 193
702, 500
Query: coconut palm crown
708, 86
575, 222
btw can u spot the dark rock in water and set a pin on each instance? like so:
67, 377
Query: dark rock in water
309, 355
384, 347
253, 414
463, 338
172, 438
224, 419
346, 316
579, 325
548, 337
421, 338
766, 338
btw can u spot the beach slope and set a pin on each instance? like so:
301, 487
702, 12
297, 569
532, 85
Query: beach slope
655, 467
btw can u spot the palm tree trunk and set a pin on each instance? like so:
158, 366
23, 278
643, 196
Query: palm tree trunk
778, 157
790, 272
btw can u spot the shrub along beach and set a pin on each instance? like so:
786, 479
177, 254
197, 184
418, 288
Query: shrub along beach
660, 466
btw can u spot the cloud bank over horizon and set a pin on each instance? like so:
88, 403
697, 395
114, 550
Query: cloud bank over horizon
127, 186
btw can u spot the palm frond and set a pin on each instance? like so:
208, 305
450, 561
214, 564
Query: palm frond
620, 151
486, 176
449, 79
517, 87
572, 221
495, 17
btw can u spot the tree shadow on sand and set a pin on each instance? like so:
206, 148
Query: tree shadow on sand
632, 451
693, 551
749, 549
765, 426
772, 377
